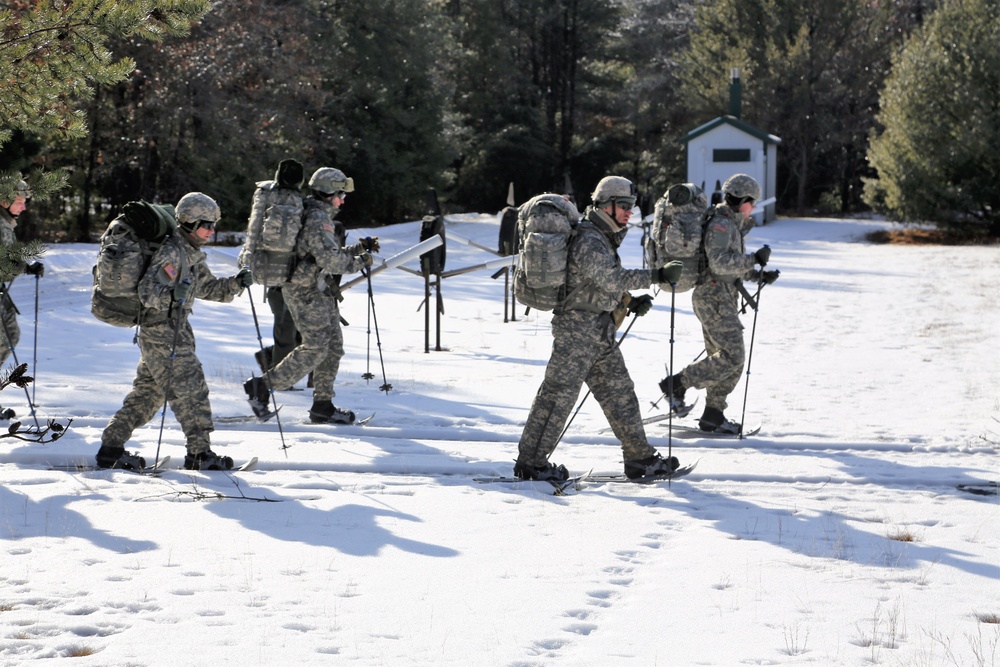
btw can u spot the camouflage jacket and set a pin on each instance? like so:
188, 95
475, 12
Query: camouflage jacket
175, 261
321, 251
595, 278
725, 247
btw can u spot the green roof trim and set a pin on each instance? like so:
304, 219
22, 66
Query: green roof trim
735, 122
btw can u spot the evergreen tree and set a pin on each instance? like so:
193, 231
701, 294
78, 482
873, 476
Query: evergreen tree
810, 70
52, 54
538, 96
938, 151
382, 121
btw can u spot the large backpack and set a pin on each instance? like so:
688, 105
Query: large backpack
273, 229
508, 241
127, 246
545, 226
678, 233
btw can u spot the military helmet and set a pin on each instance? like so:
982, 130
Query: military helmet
195, 207
741, 186
330, 180
22, 189
615, 188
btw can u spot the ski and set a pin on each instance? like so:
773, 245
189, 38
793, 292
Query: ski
246, 467
602, 478
983, 489
677, 414
685, 431
152, 471
356, 422
560, 486
245, 419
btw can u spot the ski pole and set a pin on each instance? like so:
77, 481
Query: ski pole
368, 375
670, 415
170, 372
13, 352
34, 355
753, 333
260, 342
378, 341
584, 400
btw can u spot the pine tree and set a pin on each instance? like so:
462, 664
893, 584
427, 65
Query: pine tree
811, 70
938, 152
53, 54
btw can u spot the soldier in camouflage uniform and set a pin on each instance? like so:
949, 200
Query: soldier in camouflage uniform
584, 349
10, 332
716, 305
287, 177
312, 297
168, 367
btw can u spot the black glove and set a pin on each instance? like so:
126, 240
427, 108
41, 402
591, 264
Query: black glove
768, 277
35, 269
640, 305
670, 273
762, 255
370, 243
182, 290
366, 259
245, 277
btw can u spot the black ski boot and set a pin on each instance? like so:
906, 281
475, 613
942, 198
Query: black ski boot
263, 357
207, 460
673, 388
713, 421
257, 395
117, 457
651, 466
325, 412
550, 472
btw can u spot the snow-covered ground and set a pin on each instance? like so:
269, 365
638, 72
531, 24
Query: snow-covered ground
835, 537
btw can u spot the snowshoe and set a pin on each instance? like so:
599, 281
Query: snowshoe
117, 457
207, 460
550, 472
651, 467
327, 413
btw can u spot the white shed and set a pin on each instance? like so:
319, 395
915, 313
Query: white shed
726, 146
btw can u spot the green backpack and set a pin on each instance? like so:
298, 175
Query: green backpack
545, 226
127, 246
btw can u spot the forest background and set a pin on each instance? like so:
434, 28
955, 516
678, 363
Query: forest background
884, 106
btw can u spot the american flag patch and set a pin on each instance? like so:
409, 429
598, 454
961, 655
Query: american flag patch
719, 227
327, 227
170, 271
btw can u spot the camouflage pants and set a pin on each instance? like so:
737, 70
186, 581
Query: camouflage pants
11, 334
583, 351
719, 371
317, 319
180, 381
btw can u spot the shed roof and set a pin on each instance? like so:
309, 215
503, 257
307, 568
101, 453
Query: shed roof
735, 122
